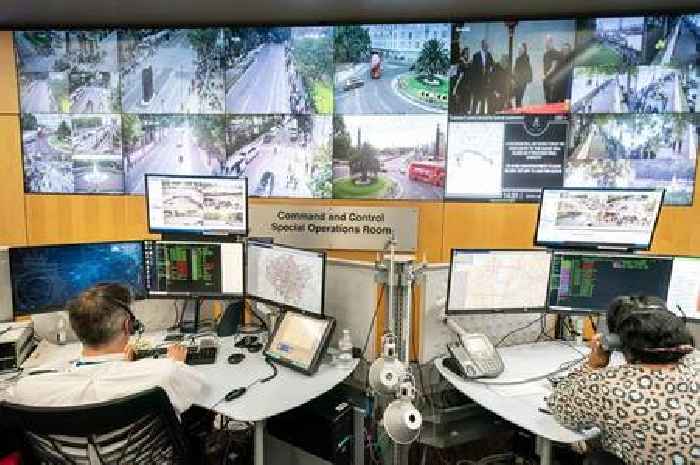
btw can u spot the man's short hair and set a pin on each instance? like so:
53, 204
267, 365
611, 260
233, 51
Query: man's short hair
97, 315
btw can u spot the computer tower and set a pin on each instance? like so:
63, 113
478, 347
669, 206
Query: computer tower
323, 427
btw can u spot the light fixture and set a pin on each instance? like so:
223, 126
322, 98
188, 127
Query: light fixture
385, 372
402, 420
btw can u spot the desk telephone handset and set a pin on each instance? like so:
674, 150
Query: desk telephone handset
476, 357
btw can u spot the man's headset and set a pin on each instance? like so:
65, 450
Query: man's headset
135, 326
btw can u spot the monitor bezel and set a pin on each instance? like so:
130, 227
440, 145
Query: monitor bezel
199, 232
194, 295
595, 311
322, 254
312, 368
602, 246
463, 312
138, 294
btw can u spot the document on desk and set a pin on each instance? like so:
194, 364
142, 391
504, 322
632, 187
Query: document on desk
684, 288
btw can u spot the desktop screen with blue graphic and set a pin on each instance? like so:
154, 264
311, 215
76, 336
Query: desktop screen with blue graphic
45, 278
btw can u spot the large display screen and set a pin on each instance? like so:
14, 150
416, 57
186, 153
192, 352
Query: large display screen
487, 111
505, 280
286, 276
194, 269
195, 204
45, 278
598, 218
581, 282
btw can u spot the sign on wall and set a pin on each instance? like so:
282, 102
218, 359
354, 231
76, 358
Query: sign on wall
336, 227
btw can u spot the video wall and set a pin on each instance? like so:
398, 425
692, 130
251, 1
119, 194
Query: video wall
461, 111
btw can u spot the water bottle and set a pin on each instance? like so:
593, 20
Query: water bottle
345, 349
61, 331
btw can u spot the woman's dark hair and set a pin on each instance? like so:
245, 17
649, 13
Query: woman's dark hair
646, 327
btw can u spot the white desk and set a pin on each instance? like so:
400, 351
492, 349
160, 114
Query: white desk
520, 404
289, 389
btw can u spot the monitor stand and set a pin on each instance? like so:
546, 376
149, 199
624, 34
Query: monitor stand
190, 323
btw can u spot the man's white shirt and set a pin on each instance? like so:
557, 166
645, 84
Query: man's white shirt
106, 377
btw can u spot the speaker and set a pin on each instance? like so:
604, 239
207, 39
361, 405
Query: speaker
231, 319
402, 421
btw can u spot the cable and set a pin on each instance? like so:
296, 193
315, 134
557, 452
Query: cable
374, 319
539, 318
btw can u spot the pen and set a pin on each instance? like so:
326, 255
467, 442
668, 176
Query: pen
544, 410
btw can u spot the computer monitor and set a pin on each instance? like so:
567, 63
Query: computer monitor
286, 277
484, 281
45, 278
299, 340
597, 218
196, 204
581, 283
684, 288
176, 269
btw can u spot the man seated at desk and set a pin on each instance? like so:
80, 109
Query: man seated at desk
101, 318
648, 409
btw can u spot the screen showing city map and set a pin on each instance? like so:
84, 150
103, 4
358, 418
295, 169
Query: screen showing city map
497, 280
196, 204
285, 276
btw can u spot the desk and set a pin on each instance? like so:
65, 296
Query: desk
519, 403
289, 389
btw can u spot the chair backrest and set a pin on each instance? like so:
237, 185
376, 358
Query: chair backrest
140, 428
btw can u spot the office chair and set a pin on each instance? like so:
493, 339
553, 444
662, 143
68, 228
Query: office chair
601, 457
140, 428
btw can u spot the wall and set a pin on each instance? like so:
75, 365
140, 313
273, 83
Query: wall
51, 219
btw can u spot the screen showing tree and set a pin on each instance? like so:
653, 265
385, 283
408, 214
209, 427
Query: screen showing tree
486, 111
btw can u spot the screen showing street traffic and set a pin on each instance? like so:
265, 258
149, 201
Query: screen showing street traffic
594, 218
487, 110
192, 204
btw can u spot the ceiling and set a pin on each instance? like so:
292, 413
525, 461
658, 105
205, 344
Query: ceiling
22, 13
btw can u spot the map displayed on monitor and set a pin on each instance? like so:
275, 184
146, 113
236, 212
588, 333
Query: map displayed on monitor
497, 280
196, 204
286, 276
625, 218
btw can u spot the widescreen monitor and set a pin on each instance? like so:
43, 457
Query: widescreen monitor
684, 288
482, 281
580, 282
45, 278
197, 204
598, 218
176, 269
286, 276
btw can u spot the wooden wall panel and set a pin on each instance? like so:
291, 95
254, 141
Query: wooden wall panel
13, 227
9, 101
135, 221
63, 219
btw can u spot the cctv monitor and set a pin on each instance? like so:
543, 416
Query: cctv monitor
484, 281
299, 340
598, 218
176, 269
583, 283
45, 278
286, 277
196, 205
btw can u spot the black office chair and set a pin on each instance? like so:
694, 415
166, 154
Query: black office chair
601, 457
141, 428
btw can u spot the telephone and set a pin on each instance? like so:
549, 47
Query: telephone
476, 357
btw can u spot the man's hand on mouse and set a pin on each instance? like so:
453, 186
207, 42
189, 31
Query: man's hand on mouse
177, 352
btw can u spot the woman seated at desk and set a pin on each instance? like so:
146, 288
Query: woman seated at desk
647, 410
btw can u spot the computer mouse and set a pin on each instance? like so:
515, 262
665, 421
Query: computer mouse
235, 394
235, 359
254, 348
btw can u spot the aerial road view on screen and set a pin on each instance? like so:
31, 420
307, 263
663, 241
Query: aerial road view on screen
282, 156
171, 144
279, 70
171, 70
392, 68
46, 141
635, 151
94, 92
389, 157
